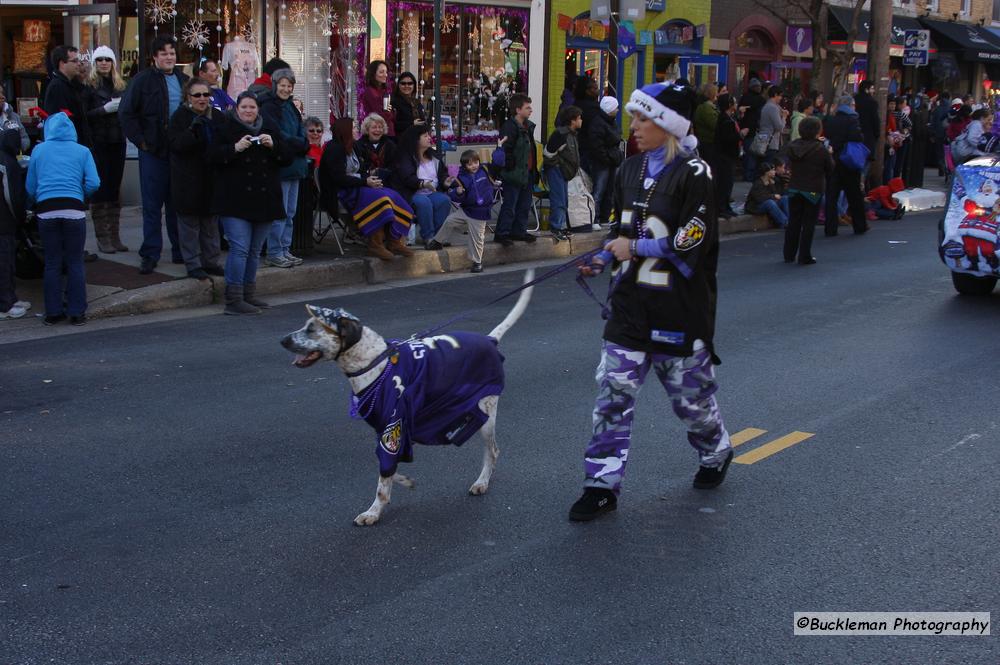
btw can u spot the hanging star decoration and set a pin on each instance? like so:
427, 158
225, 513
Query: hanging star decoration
195, 35
298, 12
328, 23
160, 11
409, 31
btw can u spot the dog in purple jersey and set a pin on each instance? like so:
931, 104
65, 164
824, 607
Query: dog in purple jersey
437, 390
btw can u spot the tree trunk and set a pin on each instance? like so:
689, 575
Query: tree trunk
879, 39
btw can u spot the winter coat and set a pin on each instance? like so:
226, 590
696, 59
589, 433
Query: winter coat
373, 101
480, 191
810, 164
793, 125
61, 173
65, 95
333, 173
772, 123
406, 112
867, 109
281, 113
9, 119
706, 117
144, 110
591, 111
843, 128
370, 158
760, 192
605, 142
884, 194
727, 137
751, 118
12, 194
563, 152
520, 169
190, 136
104, 126
247, 184
405, 179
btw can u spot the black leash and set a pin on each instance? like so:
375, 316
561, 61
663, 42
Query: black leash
562, 267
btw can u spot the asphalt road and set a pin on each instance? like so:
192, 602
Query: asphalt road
174, 491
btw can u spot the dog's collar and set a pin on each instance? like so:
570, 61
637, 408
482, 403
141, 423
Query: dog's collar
392, 353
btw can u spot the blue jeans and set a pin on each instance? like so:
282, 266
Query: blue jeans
777, 211
431, 209
279, 238
602, 178
245, 241
63, 240
512, 222
749, 166
558, 198
154, 187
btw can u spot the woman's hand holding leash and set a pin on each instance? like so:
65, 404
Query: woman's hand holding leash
621, 248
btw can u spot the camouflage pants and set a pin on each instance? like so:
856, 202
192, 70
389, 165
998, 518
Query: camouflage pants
690, 384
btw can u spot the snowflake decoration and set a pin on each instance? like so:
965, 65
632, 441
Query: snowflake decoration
195, 35
160, 11
409, 31
249, 32
328, 23
448, 23
298, 12
357, 23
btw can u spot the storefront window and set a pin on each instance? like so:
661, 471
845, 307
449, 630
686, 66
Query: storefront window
484, 60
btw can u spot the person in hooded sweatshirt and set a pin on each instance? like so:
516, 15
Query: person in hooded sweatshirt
12, 214
62, 174
811, 165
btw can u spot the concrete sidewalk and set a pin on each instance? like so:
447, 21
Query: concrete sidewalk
115, 287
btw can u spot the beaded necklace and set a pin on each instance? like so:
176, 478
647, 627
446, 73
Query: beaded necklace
650, 183
357, 401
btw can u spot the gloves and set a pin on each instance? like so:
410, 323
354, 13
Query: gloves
198, 120
112, 106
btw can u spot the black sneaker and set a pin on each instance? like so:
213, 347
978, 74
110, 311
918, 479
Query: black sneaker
198, 273
527, 237
54, 319
594, 502
557, 235
504, 240
433, 245
89, 257
476, 267
78, 320
218, 271
712, 476
147, 266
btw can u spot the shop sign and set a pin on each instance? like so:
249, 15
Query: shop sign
582, 27
916, 44
798, 38
656, 5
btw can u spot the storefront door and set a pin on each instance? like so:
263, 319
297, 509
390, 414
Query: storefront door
90, 26
703, 69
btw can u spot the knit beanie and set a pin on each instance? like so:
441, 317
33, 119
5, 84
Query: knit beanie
667, 105
103, 52
609, 104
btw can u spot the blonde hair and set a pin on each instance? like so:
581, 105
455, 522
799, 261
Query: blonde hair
709, 90
370, 120
94, 79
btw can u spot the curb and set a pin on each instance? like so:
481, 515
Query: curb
157, 297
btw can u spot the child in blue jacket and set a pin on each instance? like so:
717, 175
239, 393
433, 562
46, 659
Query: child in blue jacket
62, 175
474, 191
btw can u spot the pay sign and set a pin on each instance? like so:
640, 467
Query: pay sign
916, 44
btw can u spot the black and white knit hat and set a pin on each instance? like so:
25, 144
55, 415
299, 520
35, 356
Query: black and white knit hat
668, 105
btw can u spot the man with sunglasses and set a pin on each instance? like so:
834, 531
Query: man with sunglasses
65, 91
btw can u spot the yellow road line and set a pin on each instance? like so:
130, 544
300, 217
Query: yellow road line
773, 447
745, 435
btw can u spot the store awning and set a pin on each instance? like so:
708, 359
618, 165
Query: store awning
900, 24
976, 43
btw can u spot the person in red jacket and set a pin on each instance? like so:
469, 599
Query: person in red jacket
880, 200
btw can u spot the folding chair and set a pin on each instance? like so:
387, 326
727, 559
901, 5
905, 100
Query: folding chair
321, 229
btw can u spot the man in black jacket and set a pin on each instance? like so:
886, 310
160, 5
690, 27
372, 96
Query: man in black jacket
749, 112
841, 129
867, 109
519, 174
65, 91
150, 99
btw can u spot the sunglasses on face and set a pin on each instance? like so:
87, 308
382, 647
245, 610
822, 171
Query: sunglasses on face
402, 83
315, 130
199, 95
102, 59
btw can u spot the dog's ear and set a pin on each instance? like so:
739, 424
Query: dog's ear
350, 330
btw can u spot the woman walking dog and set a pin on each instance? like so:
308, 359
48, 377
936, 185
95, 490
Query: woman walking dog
665, 249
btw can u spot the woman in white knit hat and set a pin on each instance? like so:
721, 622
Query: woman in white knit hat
103, 93
664, 249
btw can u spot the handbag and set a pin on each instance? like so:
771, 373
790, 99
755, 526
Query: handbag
854, 155
758, 147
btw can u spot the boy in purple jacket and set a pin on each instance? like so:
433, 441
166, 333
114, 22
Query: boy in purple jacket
474, 192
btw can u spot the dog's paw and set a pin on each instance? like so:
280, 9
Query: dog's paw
478, 489
366, 518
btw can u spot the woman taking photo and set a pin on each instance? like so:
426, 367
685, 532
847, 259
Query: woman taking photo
406, 105
102, 95
382, 216
248, 155
423, 179
377, 96
192, 128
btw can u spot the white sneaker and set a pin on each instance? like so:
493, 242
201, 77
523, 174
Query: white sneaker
23, 304
278, 262
596, 227
14, 312
294, 259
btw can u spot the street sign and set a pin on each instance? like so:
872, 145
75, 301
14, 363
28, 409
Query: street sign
916, 45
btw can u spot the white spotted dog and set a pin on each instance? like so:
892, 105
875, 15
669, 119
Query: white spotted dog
436, 390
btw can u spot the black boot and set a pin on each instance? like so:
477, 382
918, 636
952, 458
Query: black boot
712, 476
250, 296
235, 304
595, 501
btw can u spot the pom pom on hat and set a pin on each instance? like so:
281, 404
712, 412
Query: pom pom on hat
609, 104
667, 105
103, 52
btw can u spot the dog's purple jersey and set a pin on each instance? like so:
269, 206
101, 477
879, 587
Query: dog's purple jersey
431, 394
